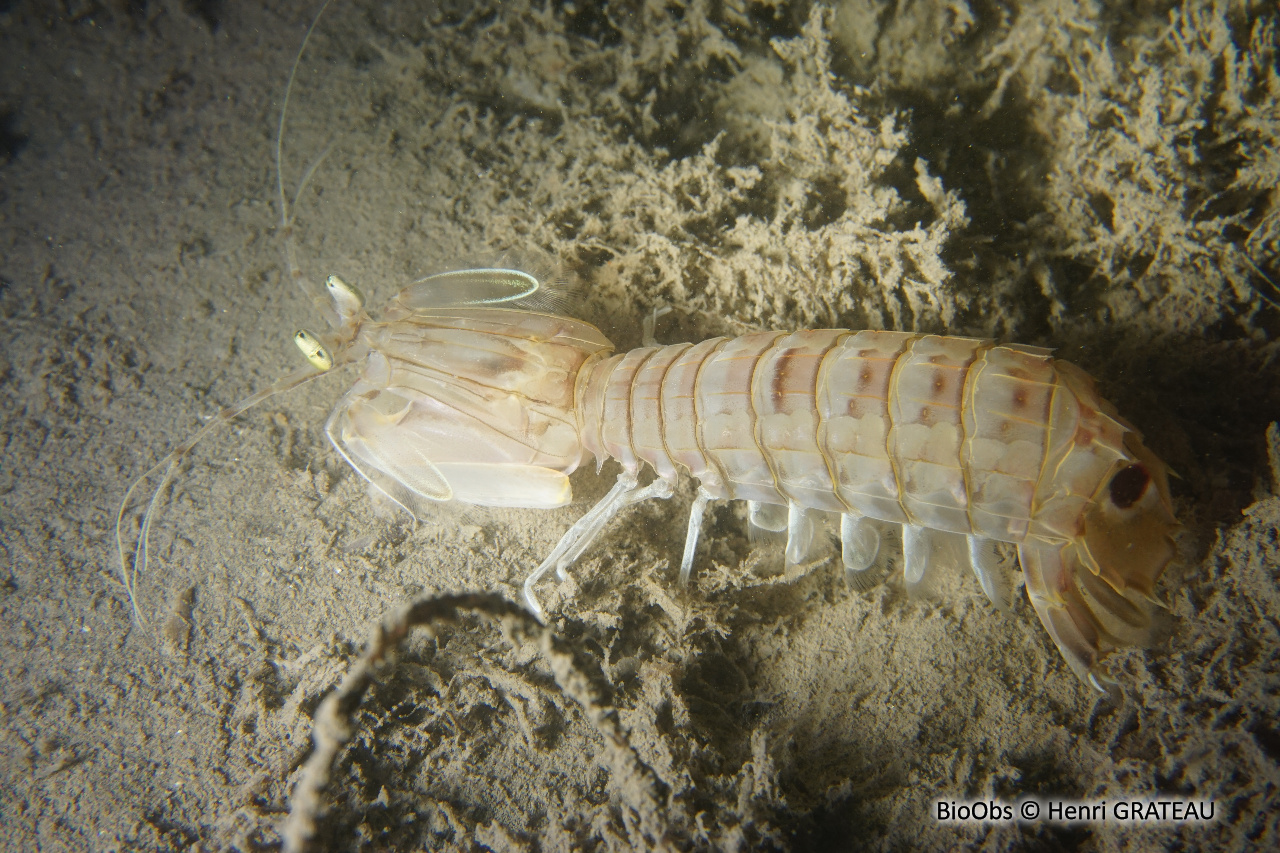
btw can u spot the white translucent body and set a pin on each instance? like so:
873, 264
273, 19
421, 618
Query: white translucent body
490, 403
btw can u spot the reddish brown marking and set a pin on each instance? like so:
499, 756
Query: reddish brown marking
782, 367
1129, 485
939, 383
865, 378
1019, 399
926, 416
495, 364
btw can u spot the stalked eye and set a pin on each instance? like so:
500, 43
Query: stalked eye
1129, 485
313, 350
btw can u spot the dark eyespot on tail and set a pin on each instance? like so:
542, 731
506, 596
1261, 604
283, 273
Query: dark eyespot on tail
1129, 485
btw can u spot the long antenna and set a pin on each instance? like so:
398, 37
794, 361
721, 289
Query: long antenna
287, 208
130, 570
286, 219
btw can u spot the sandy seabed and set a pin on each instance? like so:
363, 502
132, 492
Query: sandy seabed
1061, 176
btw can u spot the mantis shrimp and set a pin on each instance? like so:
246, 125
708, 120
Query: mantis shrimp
478, 387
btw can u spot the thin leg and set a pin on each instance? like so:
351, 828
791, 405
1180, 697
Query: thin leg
991, 574
650, 323
770, 517
580, 536
799, 534
696, 513
625, 483
917, 549
859, 548
656, 489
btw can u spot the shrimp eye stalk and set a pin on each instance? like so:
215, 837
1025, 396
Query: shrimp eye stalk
314, 351
347, 299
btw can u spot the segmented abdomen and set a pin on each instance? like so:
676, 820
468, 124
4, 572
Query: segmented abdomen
942, 432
